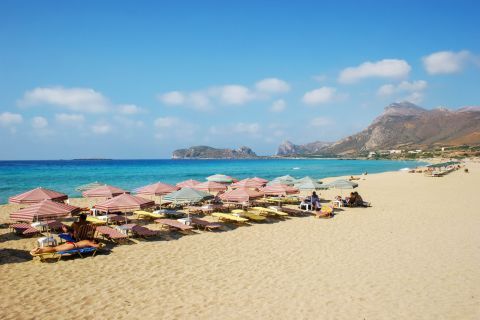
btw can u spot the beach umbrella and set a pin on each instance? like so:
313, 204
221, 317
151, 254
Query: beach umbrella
44, 210
89, 186
264, 181
104, 191
241, 195
157, 189
220, 178
124, 202
279, 190
187, 183
310, 185
306, 179
210, 186
37, 195
342, 184
247, 183
287, 182
187, 195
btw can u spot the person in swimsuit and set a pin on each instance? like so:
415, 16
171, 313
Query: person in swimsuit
73, 230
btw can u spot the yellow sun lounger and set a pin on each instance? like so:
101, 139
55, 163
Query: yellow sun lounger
95, 220
149, 215
269, 211
228, 217
249, 215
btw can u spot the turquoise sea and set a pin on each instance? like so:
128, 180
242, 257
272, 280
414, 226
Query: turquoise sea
66, 175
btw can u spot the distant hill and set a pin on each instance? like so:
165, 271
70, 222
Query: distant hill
206, 152
406, 126
288, 148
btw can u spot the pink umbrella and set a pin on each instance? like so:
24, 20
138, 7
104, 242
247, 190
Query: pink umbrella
264, 181
188, 183
247, 183
124, 202
210, 186
44, 210
157, 189
241, 195
105, 191
37, 195
279, 190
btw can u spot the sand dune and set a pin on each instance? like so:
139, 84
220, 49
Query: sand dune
414, 255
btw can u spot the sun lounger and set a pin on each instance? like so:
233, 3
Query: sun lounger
325, 212
96, 220
268, 211
290, 211
206, 225
174, 225
143, 232
250, 215
229, 217
24, 229
148, 215
111, 234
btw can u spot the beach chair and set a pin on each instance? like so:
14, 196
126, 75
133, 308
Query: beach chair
250, 215
112, 234
23, 229
325, 212
229, 217
206, 225
290, 211
174, 225
148, 215
143, 232
269, 211
96, 220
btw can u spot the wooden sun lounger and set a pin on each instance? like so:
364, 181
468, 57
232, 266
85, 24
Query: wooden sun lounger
174, 225
229, 217
95, 220
291, 212
111, 234
250, 215
143, 232
206, 225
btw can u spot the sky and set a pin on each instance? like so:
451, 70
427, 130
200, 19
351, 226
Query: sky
139, 79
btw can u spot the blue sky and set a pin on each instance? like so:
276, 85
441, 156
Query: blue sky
138, 79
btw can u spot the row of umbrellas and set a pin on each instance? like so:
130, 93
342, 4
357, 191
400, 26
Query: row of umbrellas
48, 204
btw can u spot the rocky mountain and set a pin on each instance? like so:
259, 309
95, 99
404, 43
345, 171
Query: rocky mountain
205, 152
288, 148
407, 126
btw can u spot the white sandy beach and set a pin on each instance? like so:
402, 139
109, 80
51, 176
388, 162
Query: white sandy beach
414, 255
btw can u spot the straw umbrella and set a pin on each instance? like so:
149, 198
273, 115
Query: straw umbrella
342, 184
241, 195
124, 203
187, 195
104, 191
37, 195
279, 190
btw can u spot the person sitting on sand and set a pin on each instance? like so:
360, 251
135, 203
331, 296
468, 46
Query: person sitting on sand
351, 199
67, 246
315, 200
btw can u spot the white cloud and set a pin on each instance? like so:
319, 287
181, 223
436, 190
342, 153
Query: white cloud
414, 90
173, 98
233, 94
404, 86
126, 122
8, 119
101, 128
319, 77
74, 99
319, 96
248, 128
39, 123
278, 105
199, 100
445, 62
272, 85
387, 68
69, 118
320, 122
129, 109
172, 127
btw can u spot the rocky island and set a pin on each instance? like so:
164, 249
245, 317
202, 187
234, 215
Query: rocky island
206, 152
